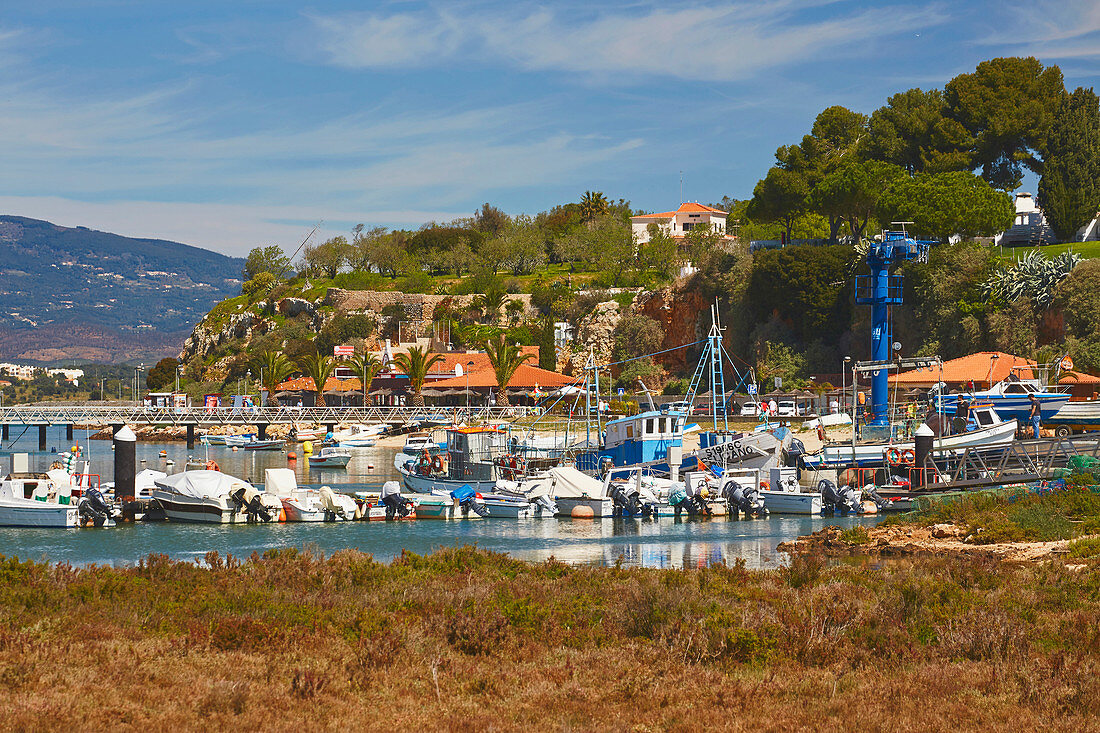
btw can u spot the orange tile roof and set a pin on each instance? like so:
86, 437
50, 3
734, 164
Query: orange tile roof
526, 377
480, 360
332, 385
685, 208
984, 368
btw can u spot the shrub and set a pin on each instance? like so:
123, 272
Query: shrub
856, 535
1085, 547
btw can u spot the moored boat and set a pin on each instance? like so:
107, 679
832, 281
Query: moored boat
330, 457
214, 497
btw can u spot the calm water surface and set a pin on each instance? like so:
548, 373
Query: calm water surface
664, 543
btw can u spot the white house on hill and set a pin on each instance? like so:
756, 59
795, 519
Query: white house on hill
678, 223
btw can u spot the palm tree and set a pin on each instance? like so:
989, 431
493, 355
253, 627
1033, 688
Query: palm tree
366, 366
593, 204
273, 368
490, 302
505, 358
318, 368
416, 363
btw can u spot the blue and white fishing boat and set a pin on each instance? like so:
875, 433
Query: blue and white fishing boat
1011, 398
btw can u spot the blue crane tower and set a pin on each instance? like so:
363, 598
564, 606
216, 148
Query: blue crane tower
880, 290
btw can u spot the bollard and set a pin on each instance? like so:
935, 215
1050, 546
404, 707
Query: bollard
191, 436
262, 431
42, 437
4, 435
125, 445
69, 432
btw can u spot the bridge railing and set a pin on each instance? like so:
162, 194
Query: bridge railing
107, 415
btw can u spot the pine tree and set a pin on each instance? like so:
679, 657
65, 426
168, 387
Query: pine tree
1069, 191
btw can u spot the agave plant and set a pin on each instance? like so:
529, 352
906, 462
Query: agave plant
1033, 276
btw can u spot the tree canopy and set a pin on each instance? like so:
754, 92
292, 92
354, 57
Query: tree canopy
1069, 190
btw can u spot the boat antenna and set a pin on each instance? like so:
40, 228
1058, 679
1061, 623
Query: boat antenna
312, 231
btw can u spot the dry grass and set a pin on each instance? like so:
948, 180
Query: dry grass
469, 640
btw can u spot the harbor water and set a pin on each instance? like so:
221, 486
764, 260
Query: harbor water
662, 543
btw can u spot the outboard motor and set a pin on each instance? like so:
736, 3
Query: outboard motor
94, 507
546, 505
628, 501
880, 501
466, 498
745, 499
248, 500
794, 454
844, 500
694, 504
328, 501
396, 505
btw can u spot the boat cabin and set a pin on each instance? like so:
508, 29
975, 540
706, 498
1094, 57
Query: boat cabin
643, 438
472, 453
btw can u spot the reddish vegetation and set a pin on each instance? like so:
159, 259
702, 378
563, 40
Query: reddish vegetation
678, 311
466, 639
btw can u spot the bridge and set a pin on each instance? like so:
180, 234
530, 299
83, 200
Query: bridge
42, 416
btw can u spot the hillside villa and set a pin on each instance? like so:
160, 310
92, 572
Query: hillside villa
678, 223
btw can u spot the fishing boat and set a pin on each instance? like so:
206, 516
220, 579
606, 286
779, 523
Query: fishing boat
214, 497
209, 439
1075, 417
239, 441
331, 457
476, 457
988, 431
302, 504
1011, 398
38, 500
358, 436
263, 445
784, 495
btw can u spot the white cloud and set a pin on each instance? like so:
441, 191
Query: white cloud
1051, 29
710, 42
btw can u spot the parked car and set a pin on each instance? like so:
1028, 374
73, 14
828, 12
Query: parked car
701, 409
681, 406
786, 408
749, 409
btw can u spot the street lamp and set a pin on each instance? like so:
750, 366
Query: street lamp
469, 364
179, 374
843, 375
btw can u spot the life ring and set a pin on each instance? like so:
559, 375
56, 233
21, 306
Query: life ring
512, 462
908, 457
893, 456
437, 464
212, 466
765, 485
520, 464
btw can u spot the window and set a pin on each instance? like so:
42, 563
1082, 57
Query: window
1015, 389
983, 417
630, 431
663, 425
688, 226
649, 426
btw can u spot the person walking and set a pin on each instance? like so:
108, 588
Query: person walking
1035, 415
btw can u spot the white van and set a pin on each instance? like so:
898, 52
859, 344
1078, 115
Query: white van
786, 408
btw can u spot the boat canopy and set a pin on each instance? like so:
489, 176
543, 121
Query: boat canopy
280, 481
569, 483
202, 484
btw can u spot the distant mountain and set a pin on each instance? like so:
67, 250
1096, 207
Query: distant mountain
81, 294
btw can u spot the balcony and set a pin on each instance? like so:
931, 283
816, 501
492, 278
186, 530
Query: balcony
865, 285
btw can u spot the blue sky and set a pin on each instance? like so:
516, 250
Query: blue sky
233, 124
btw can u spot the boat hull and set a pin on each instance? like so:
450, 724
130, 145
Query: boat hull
180, 508
333, 462
873, 454
1016, 406
791, 502
19, 514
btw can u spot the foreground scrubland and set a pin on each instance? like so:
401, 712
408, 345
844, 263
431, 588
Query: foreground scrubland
470, 640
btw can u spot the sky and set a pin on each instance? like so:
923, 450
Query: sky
230, 125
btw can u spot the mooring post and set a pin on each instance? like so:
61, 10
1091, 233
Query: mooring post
190, 436
262, 431
42, 437
4, 435
125, 463
69, 432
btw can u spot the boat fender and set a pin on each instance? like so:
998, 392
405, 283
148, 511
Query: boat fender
212, 466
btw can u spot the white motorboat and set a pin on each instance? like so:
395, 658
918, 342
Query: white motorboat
990, 431
784, 495
38, 500
214, 497
417, 443
331, 456
575, 493
1011, 398
309, 505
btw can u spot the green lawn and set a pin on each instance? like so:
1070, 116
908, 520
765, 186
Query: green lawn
1087, 250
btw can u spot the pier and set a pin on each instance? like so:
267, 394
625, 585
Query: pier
191, 418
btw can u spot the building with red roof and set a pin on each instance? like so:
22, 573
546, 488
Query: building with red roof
678, 223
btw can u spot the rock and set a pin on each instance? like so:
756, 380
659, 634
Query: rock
291, 307
942, 531
684, 315
594, 334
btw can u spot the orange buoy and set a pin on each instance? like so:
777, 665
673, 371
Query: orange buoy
370, 466
291, 456
582, 511
282, 515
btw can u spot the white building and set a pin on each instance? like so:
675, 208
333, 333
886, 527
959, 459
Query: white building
71, 375
18, 371
678, 223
